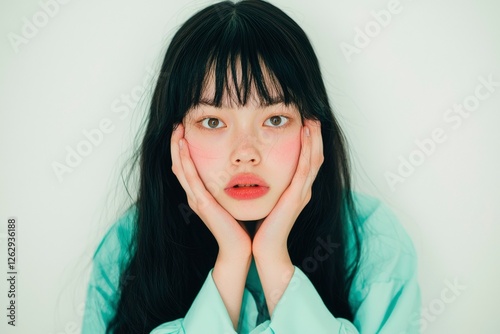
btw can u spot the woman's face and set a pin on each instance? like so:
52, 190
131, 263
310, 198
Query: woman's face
245, 155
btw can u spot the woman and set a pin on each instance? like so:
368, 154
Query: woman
245, 219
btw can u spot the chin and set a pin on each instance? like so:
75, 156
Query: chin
248, 215
250, 210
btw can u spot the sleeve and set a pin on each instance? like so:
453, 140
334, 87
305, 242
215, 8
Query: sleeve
105, 276
207, 314
301, 310
385, 294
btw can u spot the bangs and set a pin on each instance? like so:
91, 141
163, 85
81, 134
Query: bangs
238, 81
235, 52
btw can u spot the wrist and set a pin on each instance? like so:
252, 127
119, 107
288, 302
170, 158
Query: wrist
229, 275
275, 277
237, 258
281, 260
276, 252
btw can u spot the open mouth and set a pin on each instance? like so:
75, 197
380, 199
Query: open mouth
246, 186
246, 191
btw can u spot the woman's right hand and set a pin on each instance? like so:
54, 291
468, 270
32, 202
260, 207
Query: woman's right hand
235, 246
234, 242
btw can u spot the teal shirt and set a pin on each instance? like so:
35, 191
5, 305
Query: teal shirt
385, 295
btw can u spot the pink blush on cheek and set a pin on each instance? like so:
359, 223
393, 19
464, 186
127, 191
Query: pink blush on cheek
207, 160
204, 150
287, 152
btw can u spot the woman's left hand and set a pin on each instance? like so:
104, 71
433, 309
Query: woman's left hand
270, 240
269, 245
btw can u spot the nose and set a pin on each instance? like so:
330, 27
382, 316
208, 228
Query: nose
246, 151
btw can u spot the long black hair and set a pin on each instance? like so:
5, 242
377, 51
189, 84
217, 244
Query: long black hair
172, 251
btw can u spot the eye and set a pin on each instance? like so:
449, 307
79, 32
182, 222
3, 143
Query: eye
276, 121
212, 123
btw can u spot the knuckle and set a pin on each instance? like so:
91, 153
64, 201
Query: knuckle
303, 172
175, 169
307, 197
192, 204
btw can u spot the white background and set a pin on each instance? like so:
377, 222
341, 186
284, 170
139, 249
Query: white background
66, 77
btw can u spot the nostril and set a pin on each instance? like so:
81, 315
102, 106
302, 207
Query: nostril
249, 159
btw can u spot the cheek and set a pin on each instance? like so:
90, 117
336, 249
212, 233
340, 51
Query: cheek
286, 153
207, 158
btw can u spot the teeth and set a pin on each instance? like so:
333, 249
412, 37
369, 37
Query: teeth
245, 185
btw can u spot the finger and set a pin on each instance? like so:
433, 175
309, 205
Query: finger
298, 192
177, 168
221, 224
300, 178
311, 155
177, 134
317, 157
291, 202
207, 208
195, 184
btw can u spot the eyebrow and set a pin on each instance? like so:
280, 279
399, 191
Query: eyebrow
274, 101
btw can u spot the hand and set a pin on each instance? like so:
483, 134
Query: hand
270, 240
232, 239
235, 247
269, 245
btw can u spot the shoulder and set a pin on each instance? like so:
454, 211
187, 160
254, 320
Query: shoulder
387, 251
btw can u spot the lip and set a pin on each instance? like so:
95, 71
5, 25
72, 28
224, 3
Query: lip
236, 189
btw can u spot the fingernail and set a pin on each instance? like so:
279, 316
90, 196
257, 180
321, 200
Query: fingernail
307, 131
181, 144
